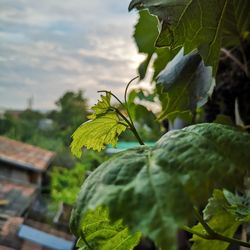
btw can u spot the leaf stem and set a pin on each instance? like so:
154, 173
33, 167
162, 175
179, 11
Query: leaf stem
85, 241
211, 234
128, 121
131, 125
126, 90
236, 60
127, 108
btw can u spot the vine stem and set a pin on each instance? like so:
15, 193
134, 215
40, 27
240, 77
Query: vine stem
128, 121
131, 125
85, 241
125, 100
211, 234
236, 60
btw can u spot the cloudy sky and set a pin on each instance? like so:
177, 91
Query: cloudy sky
48, 47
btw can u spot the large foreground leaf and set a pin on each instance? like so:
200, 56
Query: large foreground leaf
154, 189
224, 213
199, 24
101, 234
188, 83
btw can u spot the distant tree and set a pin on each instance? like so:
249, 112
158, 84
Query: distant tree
72, 110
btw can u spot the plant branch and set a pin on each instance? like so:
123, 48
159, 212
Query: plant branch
211, 234
128, 121
236, 60
131, 125
244, 58
126, 90
85, 241
190, 230
126, 103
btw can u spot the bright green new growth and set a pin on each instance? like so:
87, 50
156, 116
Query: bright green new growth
224, 213
103, 128
99, 233
154, 189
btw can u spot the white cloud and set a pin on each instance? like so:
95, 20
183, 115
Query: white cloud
49, 47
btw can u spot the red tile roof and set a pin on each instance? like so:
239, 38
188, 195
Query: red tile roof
11, 226
24, 155
18, 197
6, 248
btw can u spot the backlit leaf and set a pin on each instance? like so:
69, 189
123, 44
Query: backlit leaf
104, 128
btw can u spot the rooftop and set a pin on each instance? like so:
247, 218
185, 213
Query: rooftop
15, 198
24, 155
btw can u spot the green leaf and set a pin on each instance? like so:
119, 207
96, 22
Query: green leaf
104, 128
164, 56
102, 106
101, 234
222, 223
154, 189
188, 83
97, 133
199, 24
224, 214
145, 34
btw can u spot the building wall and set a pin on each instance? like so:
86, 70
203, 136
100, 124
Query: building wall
12, 172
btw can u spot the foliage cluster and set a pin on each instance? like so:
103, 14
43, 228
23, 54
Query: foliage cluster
159, 190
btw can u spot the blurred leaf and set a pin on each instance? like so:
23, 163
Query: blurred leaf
145, 35
164, 56
224, 119
224, 214
101, 234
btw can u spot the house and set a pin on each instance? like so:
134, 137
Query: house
23, 174
23, 162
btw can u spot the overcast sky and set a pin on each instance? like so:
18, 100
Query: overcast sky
48, 47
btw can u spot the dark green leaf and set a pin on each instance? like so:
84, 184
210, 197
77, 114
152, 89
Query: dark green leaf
145, 35
188, 83
199, 24
154, 189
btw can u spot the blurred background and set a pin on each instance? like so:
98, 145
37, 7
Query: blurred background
54, 57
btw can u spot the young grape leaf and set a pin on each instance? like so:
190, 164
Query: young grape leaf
188, 83
102, 234
154, 189
102, 106
104, 128
223, 216
199, 24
